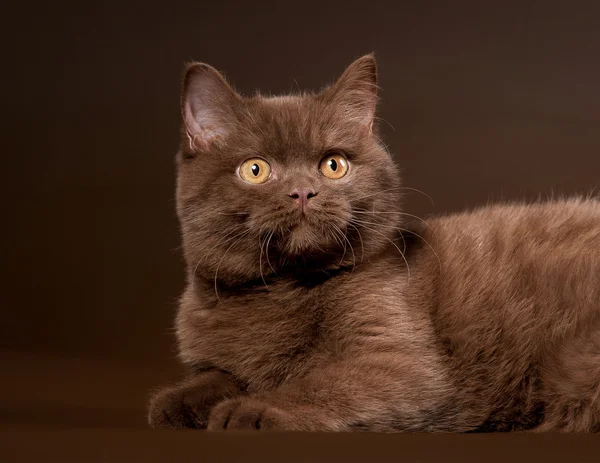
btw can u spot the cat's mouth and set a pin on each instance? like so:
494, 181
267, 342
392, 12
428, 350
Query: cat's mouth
300, 230
304, 238
309, 233
302, 223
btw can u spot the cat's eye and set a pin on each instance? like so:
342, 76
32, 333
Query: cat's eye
334, 166
255, 171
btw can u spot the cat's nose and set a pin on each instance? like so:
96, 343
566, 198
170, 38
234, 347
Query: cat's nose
302, 195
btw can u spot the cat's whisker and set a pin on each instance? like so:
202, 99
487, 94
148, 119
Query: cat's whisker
408, 231
420, 191
261, 244
222, 241
384, 145
394, 244
239, 237
404, 243
353, 254
389, 190
426, 242
232, 213
297, 87
379, 118
341, 242
363, 211
362, 245
194, 272
231, 235
349, 244
267, 251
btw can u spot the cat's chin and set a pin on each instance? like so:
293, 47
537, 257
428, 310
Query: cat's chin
305, 244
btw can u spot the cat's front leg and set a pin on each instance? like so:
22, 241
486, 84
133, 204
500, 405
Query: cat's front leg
188, 403
380, 395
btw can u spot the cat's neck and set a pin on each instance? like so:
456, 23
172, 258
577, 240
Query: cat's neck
288, 279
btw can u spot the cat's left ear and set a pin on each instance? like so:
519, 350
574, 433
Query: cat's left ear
355, 92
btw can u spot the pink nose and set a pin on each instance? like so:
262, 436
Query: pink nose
302, 195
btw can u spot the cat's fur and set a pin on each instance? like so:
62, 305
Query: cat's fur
351, 318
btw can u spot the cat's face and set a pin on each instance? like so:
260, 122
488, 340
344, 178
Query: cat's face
283, 184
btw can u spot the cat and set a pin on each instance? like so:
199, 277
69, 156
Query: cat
313, 304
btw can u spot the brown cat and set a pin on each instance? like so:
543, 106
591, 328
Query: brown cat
311, 304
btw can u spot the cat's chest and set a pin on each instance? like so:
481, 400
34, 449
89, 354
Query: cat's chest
263, 340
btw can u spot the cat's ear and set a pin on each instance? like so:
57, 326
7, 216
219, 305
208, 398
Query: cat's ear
355, 92
207, 106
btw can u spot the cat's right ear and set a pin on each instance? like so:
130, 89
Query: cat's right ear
207, 107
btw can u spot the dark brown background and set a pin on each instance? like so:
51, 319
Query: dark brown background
486, 101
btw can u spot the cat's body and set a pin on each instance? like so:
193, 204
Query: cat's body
487, 320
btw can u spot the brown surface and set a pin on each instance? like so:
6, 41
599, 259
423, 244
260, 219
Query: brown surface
146, 446
42, 391
487, 101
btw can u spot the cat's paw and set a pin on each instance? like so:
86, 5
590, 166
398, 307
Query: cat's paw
174, 409
188, 404
249, 414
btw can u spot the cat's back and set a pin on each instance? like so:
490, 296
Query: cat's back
516, 291
568, 220
514, 298
517, 259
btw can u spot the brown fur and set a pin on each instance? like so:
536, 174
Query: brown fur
350, 317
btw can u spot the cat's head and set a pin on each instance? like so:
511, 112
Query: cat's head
282, 184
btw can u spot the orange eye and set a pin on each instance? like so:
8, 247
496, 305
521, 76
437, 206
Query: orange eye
334, 166
255, 171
